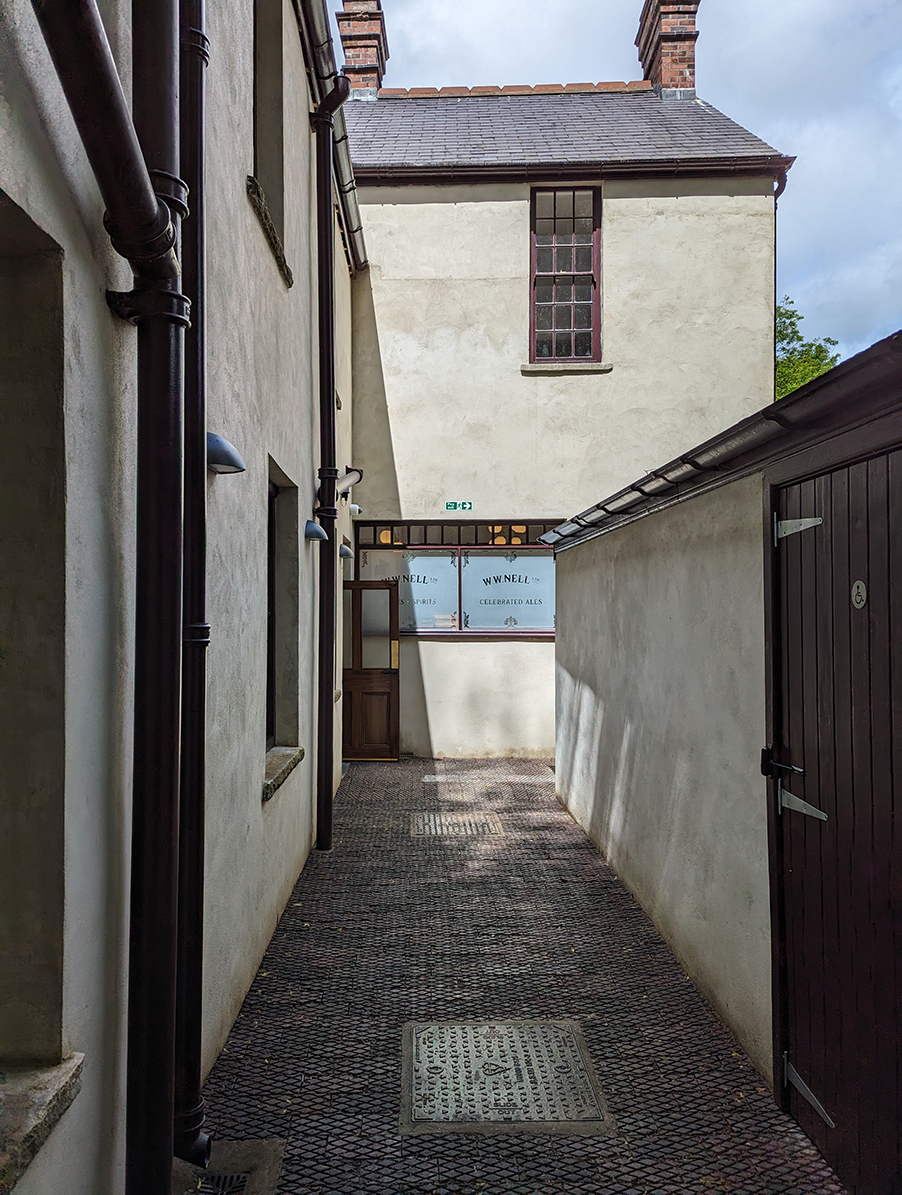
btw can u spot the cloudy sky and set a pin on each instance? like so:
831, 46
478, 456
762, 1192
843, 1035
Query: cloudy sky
820, 79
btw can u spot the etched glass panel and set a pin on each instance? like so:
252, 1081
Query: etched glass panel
427, 585
507, 591
375, 618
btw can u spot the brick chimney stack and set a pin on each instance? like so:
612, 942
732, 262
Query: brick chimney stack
666, 42
362, 29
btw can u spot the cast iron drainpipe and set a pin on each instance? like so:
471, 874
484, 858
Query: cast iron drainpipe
191, 1143
323, 122
145, 231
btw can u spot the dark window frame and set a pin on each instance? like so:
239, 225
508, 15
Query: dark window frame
435, 532
271, 616
535, 276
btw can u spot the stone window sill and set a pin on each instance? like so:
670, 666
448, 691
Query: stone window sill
31, 1103
553, 368
280, 763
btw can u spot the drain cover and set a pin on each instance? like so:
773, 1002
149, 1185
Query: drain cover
502, 1076
454, 825
223, 1184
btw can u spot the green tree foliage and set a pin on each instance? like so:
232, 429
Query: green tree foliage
798, 360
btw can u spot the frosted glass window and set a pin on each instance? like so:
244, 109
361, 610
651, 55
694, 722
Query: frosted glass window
427, 586
513, 591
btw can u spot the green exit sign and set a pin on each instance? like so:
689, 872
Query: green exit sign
458, 506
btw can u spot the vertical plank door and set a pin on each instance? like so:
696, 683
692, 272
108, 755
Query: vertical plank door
371, 684
838, 759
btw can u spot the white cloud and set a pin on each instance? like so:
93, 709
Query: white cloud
820, 79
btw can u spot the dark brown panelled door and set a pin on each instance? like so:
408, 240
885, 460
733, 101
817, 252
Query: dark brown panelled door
371, 728
838, 844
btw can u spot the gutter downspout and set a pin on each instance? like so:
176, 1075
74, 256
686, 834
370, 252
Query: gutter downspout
324, 124
191, 1143
313, 13
150, 1076
145, 231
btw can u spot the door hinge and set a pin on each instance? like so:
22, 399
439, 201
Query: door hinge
784, 527
792, 1076
788, 801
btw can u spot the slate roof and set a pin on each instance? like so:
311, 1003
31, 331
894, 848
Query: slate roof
506, 131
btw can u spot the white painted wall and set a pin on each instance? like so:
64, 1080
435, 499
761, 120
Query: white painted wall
660, 721
443, 412
467, 699
43, 172
262, 372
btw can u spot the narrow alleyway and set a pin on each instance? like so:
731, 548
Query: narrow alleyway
396, 927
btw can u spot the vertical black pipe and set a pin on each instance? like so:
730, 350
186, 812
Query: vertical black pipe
191, 1143
158, 634
323, 123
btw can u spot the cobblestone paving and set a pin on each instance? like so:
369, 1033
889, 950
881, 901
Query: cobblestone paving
528, 924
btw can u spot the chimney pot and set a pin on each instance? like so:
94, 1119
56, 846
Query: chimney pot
666, 42
361, 25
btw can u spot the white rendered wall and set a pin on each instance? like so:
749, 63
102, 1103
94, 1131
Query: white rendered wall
442, 327
660, 721
262, 395
443, 412
477, 699
44, 172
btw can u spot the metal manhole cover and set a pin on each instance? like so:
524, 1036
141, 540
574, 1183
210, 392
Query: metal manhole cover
223, 1184
469, 1076
454, 825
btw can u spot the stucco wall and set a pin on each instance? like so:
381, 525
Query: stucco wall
262, 396
478, 699
91, 494
660, 721
442, 410
442, 327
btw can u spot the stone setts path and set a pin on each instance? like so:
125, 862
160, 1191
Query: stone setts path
400, 924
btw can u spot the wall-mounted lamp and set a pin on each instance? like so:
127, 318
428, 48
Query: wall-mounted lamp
223, 457
314, 531
351, 477
345, 552
355, 510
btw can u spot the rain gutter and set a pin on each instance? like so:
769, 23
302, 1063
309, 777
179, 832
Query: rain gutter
815, 412
313, 18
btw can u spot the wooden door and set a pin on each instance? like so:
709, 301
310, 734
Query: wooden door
371, 724
838, 840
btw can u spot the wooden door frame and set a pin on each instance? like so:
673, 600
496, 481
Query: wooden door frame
356, 588
849, 448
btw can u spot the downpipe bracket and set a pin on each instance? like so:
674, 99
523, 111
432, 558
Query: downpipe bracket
150, 301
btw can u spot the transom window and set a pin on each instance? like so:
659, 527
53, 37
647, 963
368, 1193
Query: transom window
566, 270
475, 579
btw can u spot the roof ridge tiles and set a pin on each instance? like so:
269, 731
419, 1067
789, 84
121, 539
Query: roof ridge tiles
416, 93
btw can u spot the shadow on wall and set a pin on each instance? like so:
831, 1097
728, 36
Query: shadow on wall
416, 733
599, 765
373, 449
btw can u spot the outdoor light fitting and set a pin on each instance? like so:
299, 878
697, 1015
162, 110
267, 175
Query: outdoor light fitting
314, 531
345, 552
223, 457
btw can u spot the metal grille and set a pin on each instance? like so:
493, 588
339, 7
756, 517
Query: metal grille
499, 1076
454, 825
223, 1184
